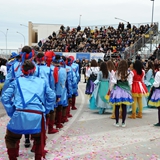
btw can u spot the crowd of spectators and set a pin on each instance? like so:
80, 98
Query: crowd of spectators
94, 40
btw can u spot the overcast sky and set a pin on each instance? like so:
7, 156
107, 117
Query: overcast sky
67, 12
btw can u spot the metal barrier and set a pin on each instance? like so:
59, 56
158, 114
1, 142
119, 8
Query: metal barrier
146, 38
7, 53
92, 27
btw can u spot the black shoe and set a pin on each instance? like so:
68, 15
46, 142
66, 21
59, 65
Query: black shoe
157, 125
27, 143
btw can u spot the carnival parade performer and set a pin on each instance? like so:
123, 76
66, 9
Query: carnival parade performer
75, 69
91, 75
149, 76
69, 85
138, 89
53, 81
111, 69
97, 100
30, 104
154, 97
12, 59
44, 71
61, 90
121, 93
15, 71
68, 93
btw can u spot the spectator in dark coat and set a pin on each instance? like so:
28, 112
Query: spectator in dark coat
138, 57
78, 28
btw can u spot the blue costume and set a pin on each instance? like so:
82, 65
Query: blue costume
61, 86
56, 86
61, 90
75, 78
27, 97
69, 82
98, 100
14, 72
47, 73
149, 79
66, 106
10, 63
75, 67
27, 113
44, 72
12, 60
26, 100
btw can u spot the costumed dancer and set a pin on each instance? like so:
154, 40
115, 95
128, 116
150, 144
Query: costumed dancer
130, 68
75, 68
55, 84
84, 69
69, 85
27, 106
60, 89
154, 97
121, 93
78, 61
15, 71
138, 89
12, 59
148, 81
45, 72
111, 69
97, 100
91, 75
53, 81
149, 76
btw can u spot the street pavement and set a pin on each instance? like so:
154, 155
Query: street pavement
91, 136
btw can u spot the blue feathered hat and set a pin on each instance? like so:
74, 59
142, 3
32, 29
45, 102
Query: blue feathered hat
13, 55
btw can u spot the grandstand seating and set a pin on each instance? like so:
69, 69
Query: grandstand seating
118, 39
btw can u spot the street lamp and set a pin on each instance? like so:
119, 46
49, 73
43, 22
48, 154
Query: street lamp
152, 23
24, 25
121, 19
152, 12
5, 34
80, 20
23, 37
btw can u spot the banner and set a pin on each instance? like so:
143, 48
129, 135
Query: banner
59, 53
82, 56
96, 56
67, 54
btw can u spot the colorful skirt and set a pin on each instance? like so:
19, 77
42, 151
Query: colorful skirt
98, 99
89, 87
139, 89
154, 100
149, 84
120, 96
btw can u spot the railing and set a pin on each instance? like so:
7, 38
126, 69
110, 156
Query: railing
146, 38
7, 53
92, 27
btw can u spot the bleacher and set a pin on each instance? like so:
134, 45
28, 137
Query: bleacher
121, 39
